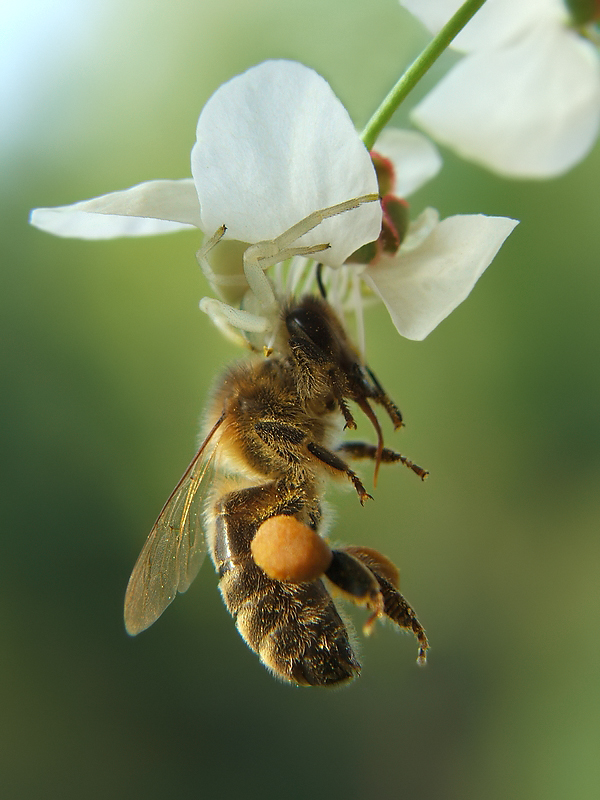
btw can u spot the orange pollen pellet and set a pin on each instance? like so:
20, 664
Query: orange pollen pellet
288, 550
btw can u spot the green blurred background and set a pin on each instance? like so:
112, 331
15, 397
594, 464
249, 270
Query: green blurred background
106, 364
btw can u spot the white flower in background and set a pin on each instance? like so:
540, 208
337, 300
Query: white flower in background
273, 146
525, 99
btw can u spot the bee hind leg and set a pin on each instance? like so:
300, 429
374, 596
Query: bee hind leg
369, 578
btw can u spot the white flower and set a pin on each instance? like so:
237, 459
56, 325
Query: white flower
525, 100
436, 267
273, 145
438, 262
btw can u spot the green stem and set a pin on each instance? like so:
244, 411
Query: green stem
417, 69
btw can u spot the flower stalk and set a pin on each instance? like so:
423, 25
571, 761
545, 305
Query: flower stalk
417, 69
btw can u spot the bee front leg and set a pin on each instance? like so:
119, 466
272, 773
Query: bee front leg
379, 395
307, 354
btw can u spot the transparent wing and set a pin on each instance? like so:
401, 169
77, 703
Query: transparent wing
175, 548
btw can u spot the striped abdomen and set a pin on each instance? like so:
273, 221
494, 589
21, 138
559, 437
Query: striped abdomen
293, 627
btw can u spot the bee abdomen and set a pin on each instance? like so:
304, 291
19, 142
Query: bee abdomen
294, 628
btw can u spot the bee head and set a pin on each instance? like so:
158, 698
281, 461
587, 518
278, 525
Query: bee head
312, 323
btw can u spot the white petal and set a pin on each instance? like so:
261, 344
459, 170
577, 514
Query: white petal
420, 228
528, 110
275, 144
422, 287
496, 22
415, 158
148, 208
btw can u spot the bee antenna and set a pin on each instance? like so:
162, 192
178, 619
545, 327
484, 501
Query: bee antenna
320, 284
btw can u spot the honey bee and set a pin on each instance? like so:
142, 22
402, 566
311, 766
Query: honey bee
256, 486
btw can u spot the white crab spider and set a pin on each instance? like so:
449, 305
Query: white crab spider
256, 259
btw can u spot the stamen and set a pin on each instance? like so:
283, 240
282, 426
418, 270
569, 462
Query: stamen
357, 307
310, 278
296, 269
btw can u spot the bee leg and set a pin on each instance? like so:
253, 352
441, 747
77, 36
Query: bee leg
350, 422
294, 628
307, 354
379, 395
358, 450
355, 580
399, 611
395, 607
335, 462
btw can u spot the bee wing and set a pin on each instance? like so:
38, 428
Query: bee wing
174, 550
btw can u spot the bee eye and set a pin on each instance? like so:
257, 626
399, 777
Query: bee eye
310, 325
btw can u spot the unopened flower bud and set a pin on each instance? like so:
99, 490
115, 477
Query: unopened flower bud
583, 11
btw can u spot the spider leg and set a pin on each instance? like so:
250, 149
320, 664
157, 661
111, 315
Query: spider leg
258, 257
316, 217
230, 319
262, 255
207, 246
